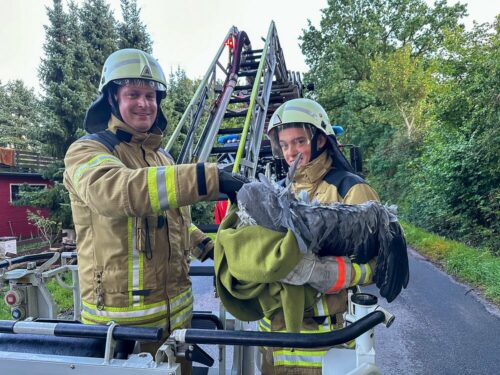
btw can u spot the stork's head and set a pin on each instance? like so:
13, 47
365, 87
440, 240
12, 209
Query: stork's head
265, 203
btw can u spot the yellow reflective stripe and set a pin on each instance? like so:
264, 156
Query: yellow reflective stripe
368, 277
130, 247
180, 319
192, 228
135, 265
170, 182
326, 326
264, 325
298, 358
357, 274
162, 323
148, 314
180, 301
126, 311
153, 190
161, 188
94, 162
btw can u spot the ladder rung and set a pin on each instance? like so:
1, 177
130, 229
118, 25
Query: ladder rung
230, 131
235, 114
243, 87
252, 51
240, 100
253, 57
248, 73
225, 149
251, 64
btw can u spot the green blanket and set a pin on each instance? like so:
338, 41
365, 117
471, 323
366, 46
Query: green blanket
249, 262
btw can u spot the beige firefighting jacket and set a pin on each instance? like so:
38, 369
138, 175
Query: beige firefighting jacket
133, 227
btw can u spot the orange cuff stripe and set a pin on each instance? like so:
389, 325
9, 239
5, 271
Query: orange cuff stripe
340, 281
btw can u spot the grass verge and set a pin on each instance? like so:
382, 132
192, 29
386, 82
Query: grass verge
478, 267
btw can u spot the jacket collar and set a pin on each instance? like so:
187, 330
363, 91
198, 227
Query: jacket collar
315, 170
127, 134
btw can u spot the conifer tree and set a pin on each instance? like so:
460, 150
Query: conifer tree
64, 74
21, 117
132, 32
98, 26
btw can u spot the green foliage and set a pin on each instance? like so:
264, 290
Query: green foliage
419, 95
21, 117
402, 83
98, 30
203, 212
64, 73
352, 33
456, 188
55, 198
180, 90
477, 266
132, 31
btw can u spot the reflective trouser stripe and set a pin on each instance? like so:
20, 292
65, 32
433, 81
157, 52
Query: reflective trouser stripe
264, 325
152, 315
135, 266
321, 309
161, 188
92, 163
181, 309
298, 357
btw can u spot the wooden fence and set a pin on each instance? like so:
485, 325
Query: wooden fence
32, 161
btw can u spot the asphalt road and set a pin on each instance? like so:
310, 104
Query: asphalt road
441, 326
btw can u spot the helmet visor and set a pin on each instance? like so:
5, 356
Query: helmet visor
155, 85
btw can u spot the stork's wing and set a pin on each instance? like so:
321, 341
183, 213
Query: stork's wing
392, 272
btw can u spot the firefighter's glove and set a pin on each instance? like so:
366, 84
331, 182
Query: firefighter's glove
207, 249
326, 274
231, 183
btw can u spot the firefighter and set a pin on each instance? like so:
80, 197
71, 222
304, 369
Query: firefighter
130, 203
301, 126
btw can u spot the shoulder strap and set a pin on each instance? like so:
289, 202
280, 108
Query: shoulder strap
343, 180
105, 137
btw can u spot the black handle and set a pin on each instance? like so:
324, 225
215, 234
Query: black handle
196, 354
287, 340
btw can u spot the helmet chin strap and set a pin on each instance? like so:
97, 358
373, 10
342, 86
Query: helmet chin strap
315, 152
111, 94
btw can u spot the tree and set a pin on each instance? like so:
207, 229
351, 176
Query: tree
402, 82
132, 32
64, 74
99, 33
352, 34
456, 187
180, 90
21, 117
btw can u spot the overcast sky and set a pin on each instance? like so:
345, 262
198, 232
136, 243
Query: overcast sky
186, 33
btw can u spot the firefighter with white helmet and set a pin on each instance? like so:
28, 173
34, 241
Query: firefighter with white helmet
130, 203
302, 126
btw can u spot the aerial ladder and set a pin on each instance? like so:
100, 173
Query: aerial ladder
235, 102
225, 122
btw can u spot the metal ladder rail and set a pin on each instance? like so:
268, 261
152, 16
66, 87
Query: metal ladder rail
212, 126
257, 109
192, 113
